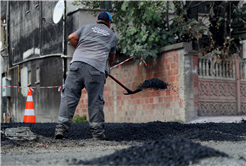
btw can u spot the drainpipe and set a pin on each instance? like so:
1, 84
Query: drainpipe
7, 50
64, 43
40, 26
7, 29
64, 29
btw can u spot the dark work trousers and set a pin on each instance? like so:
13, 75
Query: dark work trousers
82, 75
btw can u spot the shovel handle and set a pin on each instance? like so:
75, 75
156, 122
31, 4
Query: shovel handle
123, 86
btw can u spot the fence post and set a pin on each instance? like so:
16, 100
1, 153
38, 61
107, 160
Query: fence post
238, 96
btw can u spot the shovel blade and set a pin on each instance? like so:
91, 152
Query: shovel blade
133, 92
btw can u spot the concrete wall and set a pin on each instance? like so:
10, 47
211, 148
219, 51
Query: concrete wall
176, 66
46, 100
2, 64
30, 36
34, 43
3, 8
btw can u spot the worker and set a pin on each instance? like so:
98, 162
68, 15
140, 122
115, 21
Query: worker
94, 54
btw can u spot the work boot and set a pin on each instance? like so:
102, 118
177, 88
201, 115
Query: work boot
59, 133
100, 137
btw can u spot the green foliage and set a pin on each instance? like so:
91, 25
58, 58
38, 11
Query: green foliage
239, 19
142, 26
177, 120
79, 119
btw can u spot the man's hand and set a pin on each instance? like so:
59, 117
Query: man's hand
111, 58
73, 38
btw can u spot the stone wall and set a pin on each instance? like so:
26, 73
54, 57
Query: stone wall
176, 66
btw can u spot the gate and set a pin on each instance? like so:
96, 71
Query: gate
222, 86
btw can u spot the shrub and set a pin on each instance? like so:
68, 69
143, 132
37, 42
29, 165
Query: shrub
79, 119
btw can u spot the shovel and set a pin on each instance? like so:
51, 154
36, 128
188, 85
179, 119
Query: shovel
129, 92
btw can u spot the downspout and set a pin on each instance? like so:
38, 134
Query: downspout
7, 53
64, 45
7, 37
41, 25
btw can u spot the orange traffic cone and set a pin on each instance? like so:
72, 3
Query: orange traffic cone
29, 116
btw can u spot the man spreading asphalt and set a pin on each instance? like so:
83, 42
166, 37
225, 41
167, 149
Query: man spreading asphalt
95, 52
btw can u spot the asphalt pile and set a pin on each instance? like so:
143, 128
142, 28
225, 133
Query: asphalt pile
161, 152
162, 143
153, 83
145, 131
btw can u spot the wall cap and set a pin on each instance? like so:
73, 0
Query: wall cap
186, 45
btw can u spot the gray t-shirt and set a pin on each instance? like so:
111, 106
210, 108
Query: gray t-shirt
95, 43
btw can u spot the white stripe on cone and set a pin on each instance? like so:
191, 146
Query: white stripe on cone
29, 112
29, 98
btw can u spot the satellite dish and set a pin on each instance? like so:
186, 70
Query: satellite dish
58, 11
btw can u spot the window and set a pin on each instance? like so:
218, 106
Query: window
37, 4
106, 5
28, 7
3, 33
37, 75
29, 82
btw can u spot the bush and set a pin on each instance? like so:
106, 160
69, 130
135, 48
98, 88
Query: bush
79, 119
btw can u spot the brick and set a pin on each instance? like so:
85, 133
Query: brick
157, 93
195, 84
195, 58
166, 99
153, 75
176, 58
162, 93
167, 92
167, 66
161, 99
195, 77
165, 61
166, 73
173, 78
167, 105
176, 98
196, 97
195, 65
196, 91
152, 94
173, 65
170, 72
175, 71
174, 52
165, 79
175, 84
170, 98
172, 92
146, 101
195, 104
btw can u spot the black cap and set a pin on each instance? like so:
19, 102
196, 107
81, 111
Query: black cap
104, 16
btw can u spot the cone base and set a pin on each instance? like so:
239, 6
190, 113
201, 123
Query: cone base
29, 119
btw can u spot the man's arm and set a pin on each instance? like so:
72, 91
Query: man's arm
73, 38
111, 58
